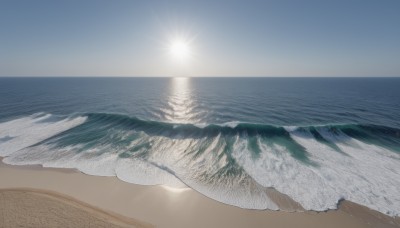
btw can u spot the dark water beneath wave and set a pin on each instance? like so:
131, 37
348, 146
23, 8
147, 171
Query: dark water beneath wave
316, 140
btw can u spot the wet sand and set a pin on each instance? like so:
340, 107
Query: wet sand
160, 206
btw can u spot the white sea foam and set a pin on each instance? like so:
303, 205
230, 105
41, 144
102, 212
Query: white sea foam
276, 168
30, 130
368, 176
139, 171
201, 173
231, 124
201, 125
89, 162
290, 128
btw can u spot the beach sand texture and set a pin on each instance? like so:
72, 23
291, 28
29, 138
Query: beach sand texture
34, 208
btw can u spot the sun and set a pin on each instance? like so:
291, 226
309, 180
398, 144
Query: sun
180, 50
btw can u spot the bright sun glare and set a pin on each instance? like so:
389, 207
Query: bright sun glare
180, 50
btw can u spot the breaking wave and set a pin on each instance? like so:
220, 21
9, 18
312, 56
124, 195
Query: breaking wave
234, 163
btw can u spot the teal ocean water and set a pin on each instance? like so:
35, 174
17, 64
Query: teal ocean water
317, 140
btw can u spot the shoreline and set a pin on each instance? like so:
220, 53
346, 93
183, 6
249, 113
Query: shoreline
167, 207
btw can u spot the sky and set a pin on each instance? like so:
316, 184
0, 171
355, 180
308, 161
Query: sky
224, 38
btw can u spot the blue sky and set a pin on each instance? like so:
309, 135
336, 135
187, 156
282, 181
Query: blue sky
227, 38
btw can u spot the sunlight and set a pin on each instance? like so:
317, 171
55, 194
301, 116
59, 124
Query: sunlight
180, 50
175, 190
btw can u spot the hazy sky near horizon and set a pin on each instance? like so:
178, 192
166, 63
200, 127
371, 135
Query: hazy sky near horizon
225, 38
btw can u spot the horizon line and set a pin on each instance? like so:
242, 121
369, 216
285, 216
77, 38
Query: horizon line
207, 76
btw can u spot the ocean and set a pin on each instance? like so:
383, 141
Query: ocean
317, 140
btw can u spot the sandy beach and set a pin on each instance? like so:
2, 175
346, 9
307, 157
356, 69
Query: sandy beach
24, 207
109, 202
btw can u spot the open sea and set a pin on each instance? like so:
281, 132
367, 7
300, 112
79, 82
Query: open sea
317, 140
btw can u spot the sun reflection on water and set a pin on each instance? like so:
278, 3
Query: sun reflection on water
181, 105
175, 190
